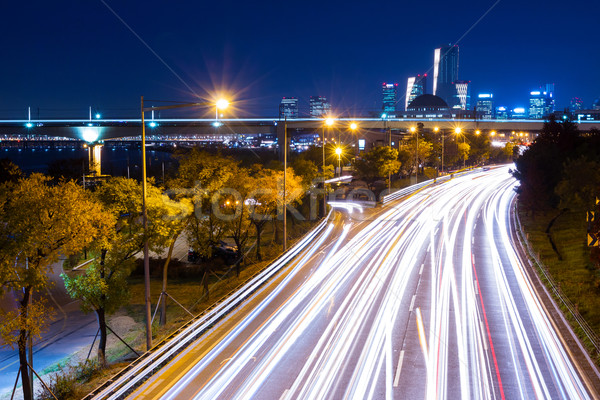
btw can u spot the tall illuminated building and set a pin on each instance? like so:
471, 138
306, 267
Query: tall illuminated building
576, 105
319, 106
461, 96
485, 105
389, 92
541, 102
445, 71
415, 87
288, 108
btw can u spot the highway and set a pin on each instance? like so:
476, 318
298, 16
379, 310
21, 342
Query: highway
423, 298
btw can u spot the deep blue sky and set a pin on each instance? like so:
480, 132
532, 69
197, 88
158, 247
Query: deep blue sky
64, 56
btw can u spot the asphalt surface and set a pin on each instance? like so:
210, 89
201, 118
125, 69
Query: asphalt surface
424, 298
69, 331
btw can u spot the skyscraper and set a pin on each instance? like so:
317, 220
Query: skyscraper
445, 71
485, 105
416, 86
541, 102
319, 106
288, 108
461, 97
576, 105
389, 93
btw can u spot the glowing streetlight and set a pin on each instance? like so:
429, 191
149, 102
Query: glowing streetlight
219, 104
458, 131
328, 123
436, 129
338, 151
222, 104
414, 130
478, 132
493, 133
353, 126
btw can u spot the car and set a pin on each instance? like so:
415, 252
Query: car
225, 250
193, 256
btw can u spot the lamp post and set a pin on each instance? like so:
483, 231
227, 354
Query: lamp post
414, 130
458, 131
328, 123
353, 128
338, 151
220, 104
437, 130
285, 146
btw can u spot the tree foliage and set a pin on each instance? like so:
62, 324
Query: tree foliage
39, 222
376, 164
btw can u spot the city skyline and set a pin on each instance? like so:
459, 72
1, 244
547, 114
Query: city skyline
105, 55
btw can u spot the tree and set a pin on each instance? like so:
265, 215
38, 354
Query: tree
200, 177
579, 185
463, 151
479, 152
539, 168
307, 170
377, 163
39, 222
9, 171
266, 200
103, 287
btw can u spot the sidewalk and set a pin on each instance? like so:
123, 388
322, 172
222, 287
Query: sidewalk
70, 331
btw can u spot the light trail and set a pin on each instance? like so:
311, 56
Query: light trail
431, 285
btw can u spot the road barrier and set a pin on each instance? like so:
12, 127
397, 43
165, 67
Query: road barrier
136, 373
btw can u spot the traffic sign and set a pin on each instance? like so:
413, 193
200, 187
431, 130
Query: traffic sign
591, 215
593, 240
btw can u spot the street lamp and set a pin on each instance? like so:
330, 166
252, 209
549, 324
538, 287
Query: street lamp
328, 123
458, 131
338, 151
414, 130
220, 104
437, 130
285, 149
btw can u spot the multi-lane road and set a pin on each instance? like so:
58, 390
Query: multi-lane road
423, 298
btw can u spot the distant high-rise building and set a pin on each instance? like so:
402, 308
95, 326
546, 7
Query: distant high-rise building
576, 105
596, 104
415, 87
501, 112
461, 98
319, 106
445, 71
389, 93
288, 108
518, 113
485, 105
541, 102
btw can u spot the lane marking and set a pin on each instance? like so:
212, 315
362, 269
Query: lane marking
421, 270
285, 394
412, 302
397, 377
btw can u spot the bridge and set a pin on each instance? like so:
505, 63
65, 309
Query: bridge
168, 129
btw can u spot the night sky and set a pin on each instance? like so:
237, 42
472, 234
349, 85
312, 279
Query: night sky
61, 57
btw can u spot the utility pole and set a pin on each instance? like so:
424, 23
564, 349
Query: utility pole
284, 183
147, 309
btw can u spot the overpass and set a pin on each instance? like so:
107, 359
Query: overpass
169, 129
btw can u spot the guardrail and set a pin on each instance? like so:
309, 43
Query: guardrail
136, 373
593, 339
